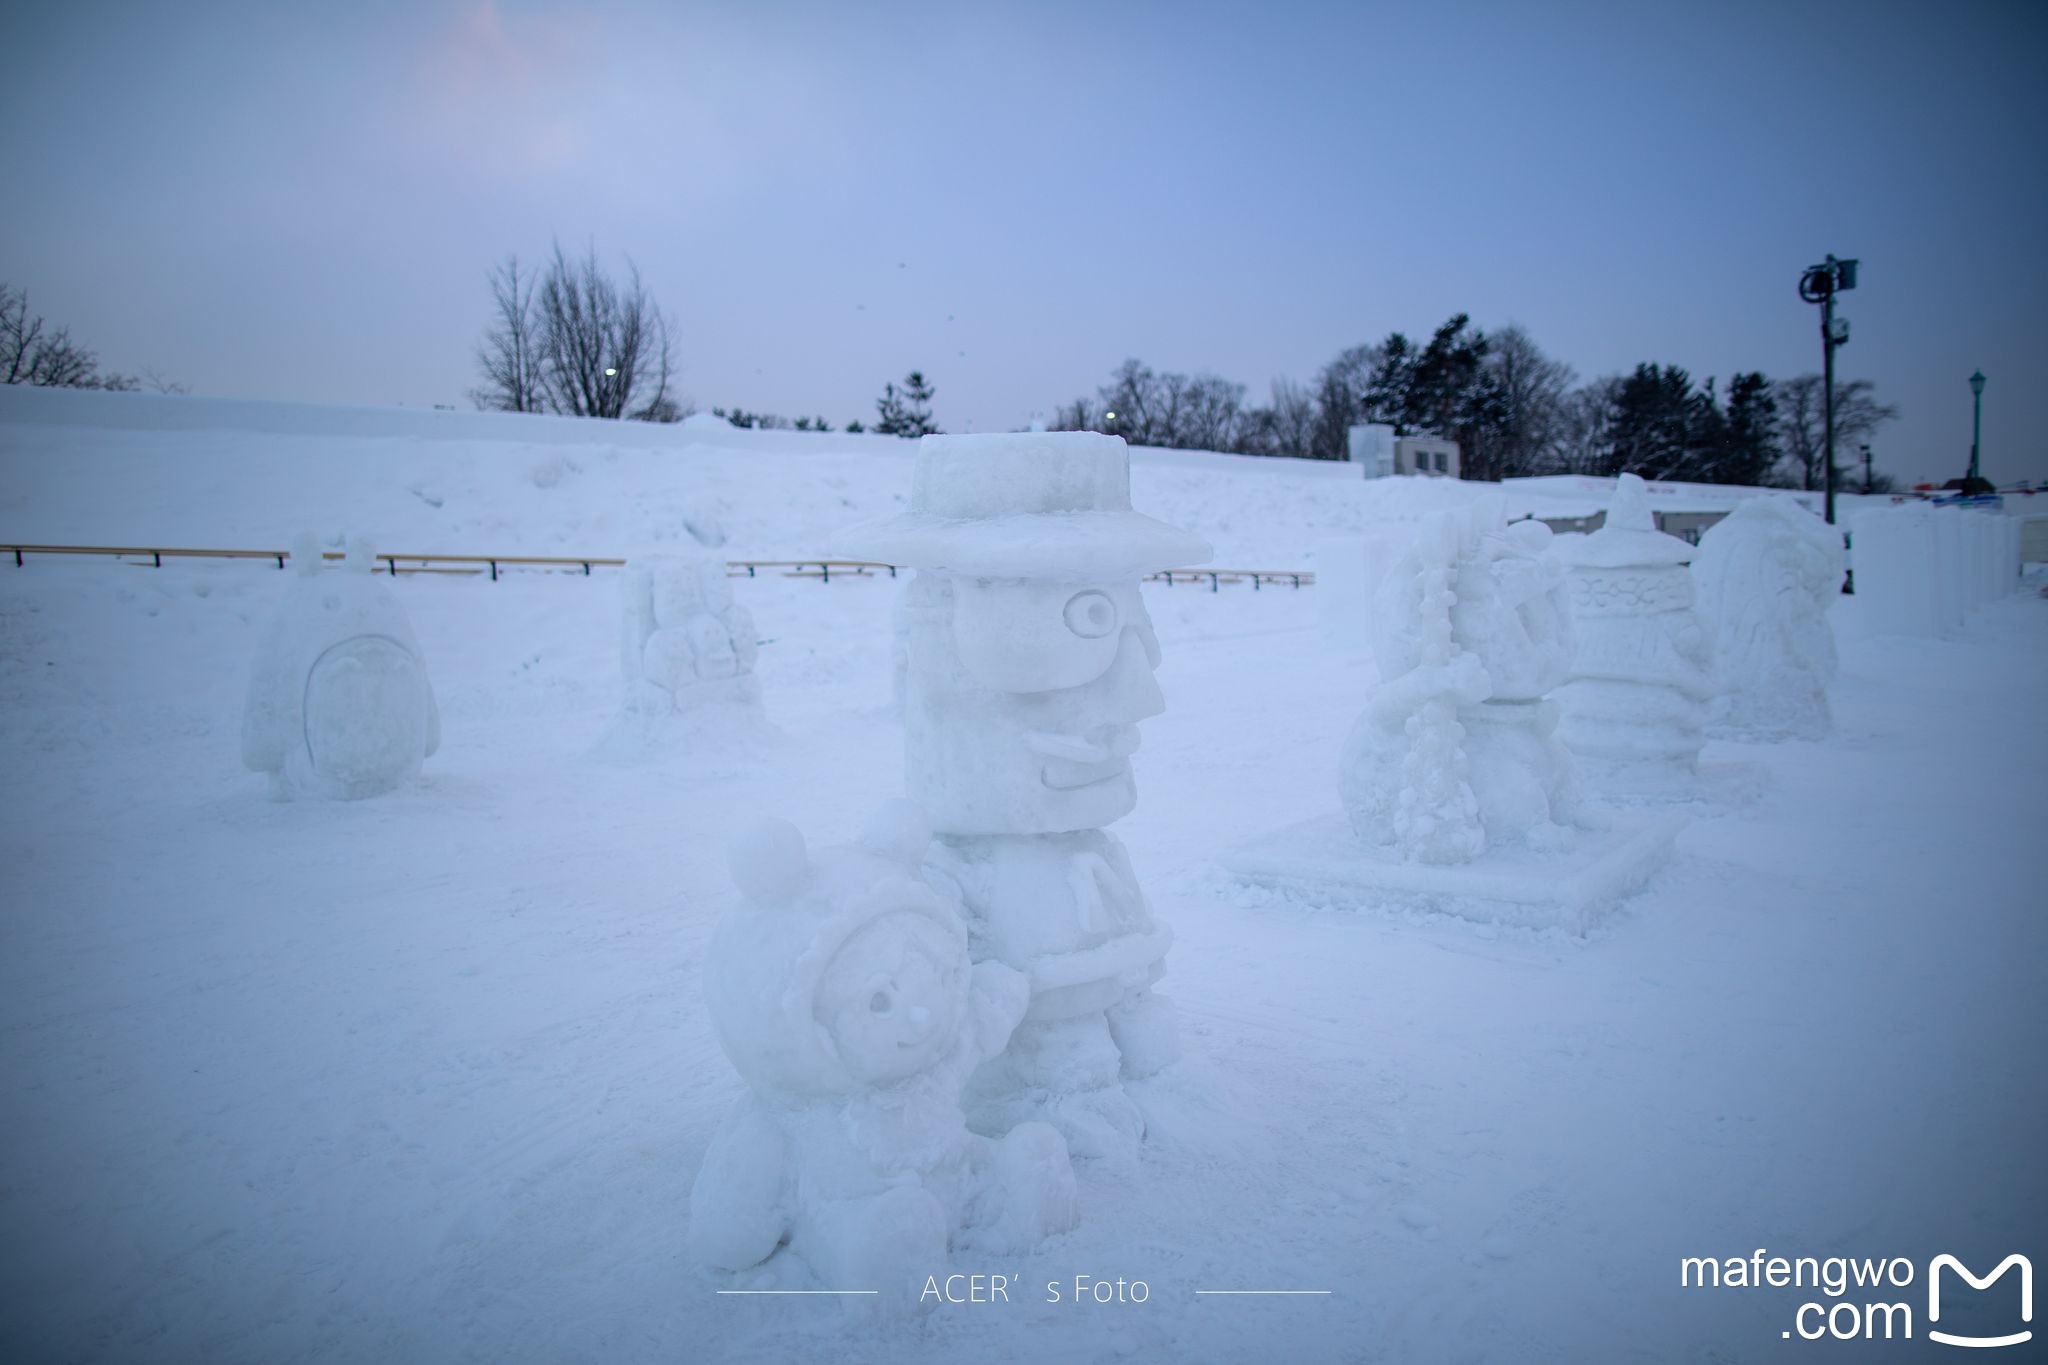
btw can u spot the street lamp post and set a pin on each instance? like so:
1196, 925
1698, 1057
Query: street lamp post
1976, 424
1819, 285
1866, 468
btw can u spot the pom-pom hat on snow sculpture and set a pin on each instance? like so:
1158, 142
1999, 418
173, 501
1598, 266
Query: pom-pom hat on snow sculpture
1026, 505
770, 954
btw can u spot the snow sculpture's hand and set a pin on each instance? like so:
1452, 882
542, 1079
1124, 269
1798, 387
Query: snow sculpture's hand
711, 648
996, 1003
1463, 682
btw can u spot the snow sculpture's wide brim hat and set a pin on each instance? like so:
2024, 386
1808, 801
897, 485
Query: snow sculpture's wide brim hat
1027, 505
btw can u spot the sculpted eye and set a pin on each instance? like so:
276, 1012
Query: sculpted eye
880, 1002
1091, 615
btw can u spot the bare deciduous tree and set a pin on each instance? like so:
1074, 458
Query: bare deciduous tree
31, 352
602, 347
1584, 440
1802, 426
1341, 400
1083, 414
576, 341
510, 350
1294, 419
1528, 390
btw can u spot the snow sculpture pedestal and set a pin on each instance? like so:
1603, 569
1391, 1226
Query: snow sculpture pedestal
339, 704
1634, 711
842, 991
1458, 794
1567, 888
1028, 662
1767, 575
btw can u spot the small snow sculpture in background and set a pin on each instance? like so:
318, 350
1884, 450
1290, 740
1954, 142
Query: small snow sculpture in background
1635, 710
686, 642
339, 704
1455, 752
1766, 576
1028, 661
842, 991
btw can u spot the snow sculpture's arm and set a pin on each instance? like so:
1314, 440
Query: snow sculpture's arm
266, 713
433, 744
263, 739
1463, 680
739, 1206
996, 1002
711, 648
636, 618
746, 645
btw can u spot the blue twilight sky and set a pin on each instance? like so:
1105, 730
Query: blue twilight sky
301, 200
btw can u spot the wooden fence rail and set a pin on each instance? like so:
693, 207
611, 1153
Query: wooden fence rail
822, 569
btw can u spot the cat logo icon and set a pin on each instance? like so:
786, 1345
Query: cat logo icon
1934, 1298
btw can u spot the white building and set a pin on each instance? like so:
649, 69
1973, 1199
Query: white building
1375, 447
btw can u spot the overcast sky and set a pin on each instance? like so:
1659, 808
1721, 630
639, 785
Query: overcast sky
301, 201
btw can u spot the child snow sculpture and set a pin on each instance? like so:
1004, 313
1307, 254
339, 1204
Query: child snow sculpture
1635, 709
1455, 750
1766, 575
1028, 663
339, 704
686, 642
841, 989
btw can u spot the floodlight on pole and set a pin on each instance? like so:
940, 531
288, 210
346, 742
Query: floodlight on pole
1819, 284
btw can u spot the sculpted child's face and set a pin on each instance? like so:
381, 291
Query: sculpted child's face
892, 998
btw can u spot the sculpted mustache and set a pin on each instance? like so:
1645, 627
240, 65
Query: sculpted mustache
1120, 741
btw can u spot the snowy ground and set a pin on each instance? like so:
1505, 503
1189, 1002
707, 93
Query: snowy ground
428, 1077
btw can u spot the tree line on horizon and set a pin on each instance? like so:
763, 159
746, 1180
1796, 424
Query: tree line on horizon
34, 352
1513, 411
572, 339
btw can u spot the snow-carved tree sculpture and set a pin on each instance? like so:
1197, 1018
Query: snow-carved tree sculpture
339, 704
1455, 752
1028, 663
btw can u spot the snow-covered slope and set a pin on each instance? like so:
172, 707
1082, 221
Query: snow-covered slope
428, 1077
133, 469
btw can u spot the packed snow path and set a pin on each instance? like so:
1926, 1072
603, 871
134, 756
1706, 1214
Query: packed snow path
429, 1077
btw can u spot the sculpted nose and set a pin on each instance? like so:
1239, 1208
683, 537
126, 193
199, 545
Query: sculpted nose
919, 1015
1134, 693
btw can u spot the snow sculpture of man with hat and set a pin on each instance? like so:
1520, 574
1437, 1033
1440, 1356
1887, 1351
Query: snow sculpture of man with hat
1029, 663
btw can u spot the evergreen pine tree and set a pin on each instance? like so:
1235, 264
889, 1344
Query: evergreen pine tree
889, 419
1752, 445
1651, 431
917, 406
1389, 393
908, 411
